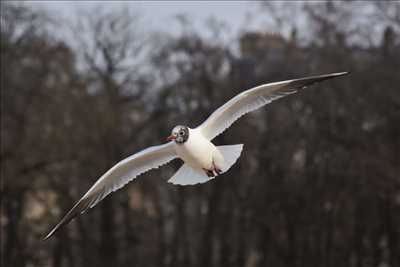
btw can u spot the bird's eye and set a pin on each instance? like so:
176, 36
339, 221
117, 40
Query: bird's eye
181, 133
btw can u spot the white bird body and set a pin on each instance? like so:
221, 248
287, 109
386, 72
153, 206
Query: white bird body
198, 152
202, 159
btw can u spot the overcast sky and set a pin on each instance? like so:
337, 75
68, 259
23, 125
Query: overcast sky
159, 15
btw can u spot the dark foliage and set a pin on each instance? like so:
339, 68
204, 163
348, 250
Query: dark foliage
318, 183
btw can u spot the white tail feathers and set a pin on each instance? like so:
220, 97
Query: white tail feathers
186, 175
230, 153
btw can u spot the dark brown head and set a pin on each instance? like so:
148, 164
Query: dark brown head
180, 134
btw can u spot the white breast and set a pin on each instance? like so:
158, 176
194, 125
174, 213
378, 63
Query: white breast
197, 151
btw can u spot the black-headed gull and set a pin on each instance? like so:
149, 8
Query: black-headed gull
202, 159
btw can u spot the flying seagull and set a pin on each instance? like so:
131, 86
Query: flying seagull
202, 159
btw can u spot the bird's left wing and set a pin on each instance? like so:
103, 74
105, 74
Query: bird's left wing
253, 99
118, 176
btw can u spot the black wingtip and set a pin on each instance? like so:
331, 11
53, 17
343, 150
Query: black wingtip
67, 218
78, 208
303, 82
342, 73
50, 234
45, 238
335, 74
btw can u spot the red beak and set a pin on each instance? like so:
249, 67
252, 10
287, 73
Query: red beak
171, 137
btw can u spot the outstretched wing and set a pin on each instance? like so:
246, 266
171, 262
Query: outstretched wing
119, 175
253, 99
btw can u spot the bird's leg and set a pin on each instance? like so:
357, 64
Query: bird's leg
209, 173
216, 169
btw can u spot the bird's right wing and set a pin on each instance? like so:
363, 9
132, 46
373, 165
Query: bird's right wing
253, 99
118, 176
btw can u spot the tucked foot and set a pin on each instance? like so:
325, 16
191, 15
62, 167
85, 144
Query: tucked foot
209, 173
217, 170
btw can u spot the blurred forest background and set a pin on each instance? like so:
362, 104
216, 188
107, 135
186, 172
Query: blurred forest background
318, 183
